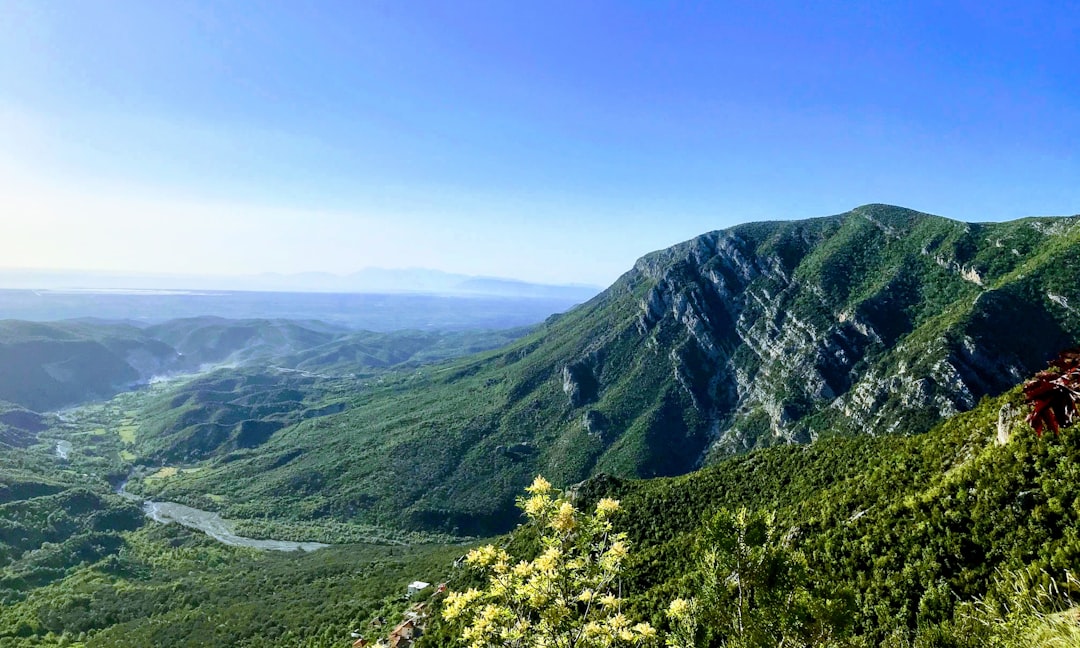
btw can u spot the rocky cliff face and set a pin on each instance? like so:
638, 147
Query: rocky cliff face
875, 321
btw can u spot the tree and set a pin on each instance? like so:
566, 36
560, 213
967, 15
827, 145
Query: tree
569, 596
755, 590
749, 575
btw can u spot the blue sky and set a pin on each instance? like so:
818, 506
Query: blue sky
553, 141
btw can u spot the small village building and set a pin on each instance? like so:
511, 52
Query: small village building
416, 587
404, 635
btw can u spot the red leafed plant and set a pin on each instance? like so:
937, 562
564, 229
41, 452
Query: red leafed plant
1054, 394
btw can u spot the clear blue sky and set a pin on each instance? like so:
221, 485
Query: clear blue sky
548, 141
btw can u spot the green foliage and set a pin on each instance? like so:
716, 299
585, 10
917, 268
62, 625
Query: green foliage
897, 535
875, 321
47, 365
82, 566
1021, 610
165, 585
569, 595
754, 587
894, 540
753, 591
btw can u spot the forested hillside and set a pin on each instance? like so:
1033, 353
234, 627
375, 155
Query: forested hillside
924, 540
847, 383
48, 365
880, 320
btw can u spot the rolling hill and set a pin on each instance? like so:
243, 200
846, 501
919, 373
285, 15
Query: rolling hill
48, 365
904, 540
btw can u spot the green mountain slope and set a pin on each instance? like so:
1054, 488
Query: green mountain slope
878, 320
48, 365
241, 408
905, 530
82, 567
912, 528
18, 426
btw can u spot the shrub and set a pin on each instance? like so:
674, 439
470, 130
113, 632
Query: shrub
569, 595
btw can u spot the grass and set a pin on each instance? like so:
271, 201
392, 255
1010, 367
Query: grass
128, 431
164, 473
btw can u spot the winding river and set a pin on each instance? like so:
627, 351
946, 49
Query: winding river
211, 524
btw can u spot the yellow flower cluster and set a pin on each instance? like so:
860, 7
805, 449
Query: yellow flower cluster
457, 602
486, 556
540, 486
606, 506
615, 555
566, 595
523, 569
679, 609
563, 521
682, 614
644, 630
490, 622
536, 506
548, 560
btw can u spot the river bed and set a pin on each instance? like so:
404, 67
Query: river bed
217, 528
211, 524
63, 449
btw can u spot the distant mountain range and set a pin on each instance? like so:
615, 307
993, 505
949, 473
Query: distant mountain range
368, 280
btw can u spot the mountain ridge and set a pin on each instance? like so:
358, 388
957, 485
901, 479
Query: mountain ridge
878, 320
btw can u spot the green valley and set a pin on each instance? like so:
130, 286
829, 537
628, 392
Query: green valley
852, 378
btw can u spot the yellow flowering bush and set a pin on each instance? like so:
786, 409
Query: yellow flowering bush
567, 597
682, 614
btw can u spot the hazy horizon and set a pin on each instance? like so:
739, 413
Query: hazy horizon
359, 271
551, 144
418, 281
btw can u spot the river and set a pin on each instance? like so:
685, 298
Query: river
214, 526
63, 449
211, 524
